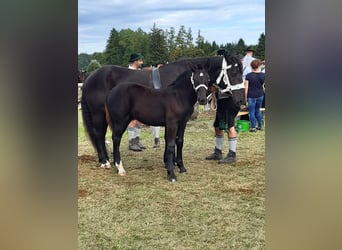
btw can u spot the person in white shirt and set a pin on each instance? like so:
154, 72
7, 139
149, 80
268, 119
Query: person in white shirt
134, 127
246, 61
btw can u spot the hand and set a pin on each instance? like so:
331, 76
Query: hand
243, 107
212, 88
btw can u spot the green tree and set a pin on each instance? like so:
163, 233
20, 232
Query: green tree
158, 46
260, 48
240, 47
133, 42
113, 52
181, 38
93, 65
171, 43
208, 49
199, 40
83, 61
189, 39
100, 57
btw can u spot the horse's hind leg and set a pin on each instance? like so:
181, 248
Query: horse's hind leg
100, 130
179, 143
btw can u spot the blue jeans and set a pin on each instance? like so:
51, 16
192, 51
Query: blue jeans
254, 105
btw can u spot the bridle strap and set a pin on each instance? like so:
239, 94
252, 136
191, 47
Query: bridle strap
198, 86
233, 87
223, 75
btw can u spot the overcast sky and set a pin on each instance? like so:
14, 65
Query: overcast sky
221, 21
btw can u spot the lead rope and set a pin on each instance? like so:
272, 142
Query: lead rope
213, 103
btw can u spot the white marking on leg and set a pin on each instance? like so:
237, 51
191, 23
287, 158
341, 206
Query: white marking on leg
105, 165
120, 168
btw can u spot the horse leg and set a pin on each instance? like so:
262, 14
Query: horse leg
165, 152
165, 149
179, 143
116, 153
170, 151
118, 130
100, 130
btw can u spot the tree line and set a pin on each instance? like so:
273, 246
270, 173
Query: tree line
161, 46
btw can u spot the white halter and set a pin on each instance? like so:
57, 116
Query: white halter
198, 86
225, 77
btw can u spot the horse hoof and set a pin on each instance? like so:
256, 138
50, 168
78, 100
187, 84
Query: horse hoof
105, 165
172, 179
183, 172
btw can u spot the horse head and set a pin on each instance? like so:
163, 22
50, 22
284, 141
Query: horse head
230, 79
200, 79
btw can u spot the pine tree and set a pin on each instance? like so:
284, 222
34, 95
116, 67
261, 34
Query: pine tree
93, 65
158, 46
260, 48
113, 52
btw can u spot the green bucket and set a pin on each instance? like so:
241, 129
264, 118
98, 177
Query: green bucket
242, 125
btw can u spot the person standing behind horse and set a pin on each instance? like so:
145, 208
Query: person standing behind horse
246, 62
156, 129
134, 127
224, 121
254, 93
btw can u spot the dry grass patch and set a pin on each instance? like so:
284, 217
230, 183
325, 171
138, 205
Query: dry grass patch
212, 207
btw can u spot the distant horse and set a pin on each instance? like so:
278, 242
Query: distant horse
81, 76
170, 107
225, 71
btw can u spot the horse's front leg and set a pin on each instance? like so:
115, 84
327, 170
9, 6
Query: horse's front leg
179, 143
170, 151
165, 156
116, 137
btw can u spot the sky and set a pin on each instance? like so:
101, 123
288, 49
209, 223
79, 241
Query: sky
222, 21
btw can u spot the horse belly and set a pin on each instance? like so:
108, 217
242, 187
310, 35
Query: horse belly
150, 111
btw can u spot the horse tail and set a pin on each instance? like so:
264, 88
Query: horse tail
87, 120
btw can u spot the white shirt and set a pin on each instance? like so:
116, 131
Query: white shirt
246, 65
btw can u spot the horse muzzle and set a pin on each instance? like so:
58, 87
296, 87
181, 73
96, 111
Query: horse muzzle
202, 101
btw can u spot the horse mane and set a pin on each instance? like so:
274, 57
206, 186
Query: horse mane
179, 79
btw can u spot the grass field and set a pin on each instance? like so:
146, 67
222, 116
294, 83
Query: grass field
212, 207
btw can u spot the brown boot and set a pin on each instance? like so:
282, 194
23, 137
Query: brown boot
217, 155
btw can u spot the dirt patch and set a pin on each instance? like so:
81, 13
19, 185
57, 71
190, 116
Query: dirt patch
82, 193
86, 159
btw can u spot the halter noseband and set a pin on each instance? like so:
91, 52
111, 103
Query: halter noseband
198, 86
223, 74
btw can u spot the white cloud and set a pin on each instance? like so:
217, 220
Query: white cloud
221, 21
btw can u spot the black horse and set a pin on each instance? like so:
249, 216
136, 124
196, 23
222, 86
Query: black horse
170, 107
225, 71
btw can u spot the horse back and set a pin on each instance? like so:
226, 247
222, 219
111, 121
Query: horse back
108, 76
